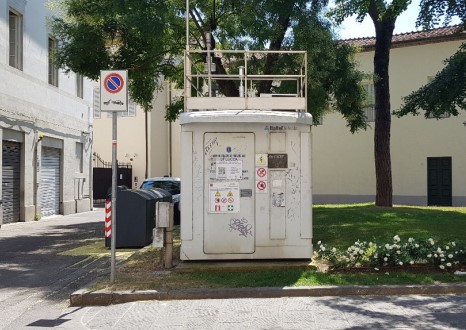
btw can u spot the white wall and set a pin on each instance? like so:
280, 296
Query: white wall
30, 105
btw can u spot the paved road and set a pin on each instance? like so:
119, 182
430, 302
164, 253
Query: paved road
404, 312
35, 282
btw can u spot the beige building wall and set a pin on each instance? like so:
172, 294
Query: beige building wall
343, 163
164, 142
131, 141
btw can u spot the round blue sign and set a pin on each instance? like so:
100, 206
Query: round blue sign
113, 83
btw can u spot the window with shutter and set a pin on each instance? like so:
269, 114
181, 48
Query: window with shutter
16, 40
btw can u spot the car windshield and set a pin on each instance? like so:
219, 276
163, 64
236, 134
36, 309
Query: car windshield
173, 187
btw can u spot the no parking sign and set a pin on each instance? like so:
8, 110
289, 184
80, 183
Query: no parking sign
113, 90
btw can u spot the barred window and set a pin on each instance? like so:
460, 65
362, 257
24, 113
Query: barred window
53, 67
369, 106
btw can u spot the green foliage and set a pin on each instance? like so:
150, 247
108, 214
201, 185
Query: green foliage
378, 10
298, 277
342, 225
348, 89
118, 34
334, 81
445, 94
397, 253
427, 235
145, 36
174, 109
436, 12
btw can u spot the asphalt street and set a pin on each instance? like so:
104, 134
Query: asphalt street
35, 281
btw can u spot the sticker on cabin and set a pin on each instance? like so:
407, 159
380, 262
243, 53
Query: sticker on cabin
224, 197
228, 170
261, 160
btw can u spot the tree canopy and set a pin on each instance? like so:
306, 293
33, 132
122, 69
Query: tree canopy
446, 93
440, 12
118, 34
147, 36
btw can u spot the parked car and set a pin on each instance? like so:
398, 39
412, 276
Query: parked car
170, 184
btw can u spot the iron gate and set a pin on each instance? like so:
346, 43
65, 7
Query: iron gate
102, 176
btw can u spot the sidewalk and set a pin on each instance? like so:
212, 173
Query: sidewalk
86, 297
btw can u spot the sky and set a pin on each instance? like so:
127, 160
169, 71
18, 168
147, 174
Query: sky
406, 22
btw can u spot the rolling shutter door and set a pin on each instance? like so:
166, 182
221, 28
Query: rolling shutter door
11, 164
50, 181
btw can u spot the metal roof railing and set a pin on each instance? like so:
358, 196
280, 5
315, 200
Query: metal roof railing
243, 72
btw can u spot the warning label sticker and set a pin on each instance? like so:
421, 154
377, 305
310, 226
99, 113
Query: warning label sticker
261, 173
261, 187
261, 160
224, 197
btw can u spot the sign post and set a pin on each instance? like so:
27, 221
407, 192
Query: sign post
113, 98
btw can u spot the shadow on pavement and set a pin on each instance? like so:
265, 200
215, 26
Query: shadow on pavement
29, 255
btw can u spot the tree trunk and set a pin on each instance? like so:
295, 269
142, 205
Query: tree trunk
383, 168
275, 44
227, 87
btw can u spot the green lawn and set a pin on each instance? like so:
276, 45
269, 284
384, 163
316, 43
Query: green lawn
334, 225
342, 225
301, 277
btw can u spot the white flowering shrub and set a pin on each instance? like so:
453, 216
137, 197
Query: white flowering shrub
395, 253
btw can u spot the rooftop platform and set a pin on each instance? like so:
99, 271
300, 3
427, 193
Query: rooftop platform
209, 74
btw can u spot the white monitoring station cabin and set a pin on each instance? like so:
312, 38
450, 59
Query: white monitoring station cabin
246, 163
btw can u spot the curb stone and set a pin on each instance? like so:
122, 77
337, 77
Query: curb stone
86, 297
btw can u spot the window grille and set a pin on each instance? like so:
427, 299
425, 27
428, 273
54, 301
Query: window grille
369, 106
53, 67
